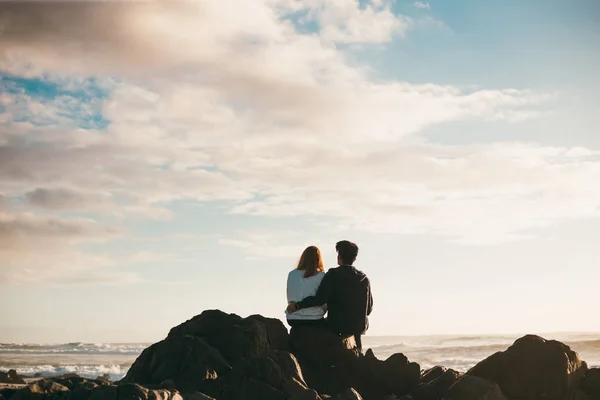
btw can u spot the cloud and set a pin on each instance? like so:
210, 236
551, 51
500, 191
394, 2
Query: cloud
257, 114
421, 5
266, 245
63, 199
345, 21
43, 248
4, 202
481, 194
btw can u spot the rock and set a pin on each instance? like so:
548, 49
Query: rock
580, 395
273, 376
396, 375
106, 393
533, 368
434, 389
133, 392
103, 378
184, 361
233, 336
277, 333
197, 396
432, 373
591, 382
331, 364
324, 358
7, 390
75, 382
471, 387
306, 394
293, 379
11, 377
348, 394
39, 390
70, 386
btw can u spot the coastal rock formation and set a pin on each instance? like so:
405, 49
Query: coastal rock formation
185, 362
471, 387
11, 377
220, 356
41, 390
534, 368
133, 392
235, 337
331, 365
435, 382
591, 383
274, 376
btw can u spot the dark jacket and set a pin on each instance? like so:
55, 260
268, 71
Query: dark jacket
347, 292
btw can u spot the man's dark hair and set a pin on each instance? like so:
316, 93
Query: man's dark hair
347, 251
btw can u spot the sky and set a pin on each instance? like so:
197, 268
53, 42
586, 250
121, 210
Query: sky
158, 159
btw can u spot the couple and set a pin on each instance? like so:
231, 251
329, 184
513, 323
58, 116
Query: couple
343, 292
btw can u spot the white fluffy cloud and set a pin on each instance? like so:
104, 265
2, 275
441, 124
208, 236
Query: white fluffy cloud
422, 5
204, 103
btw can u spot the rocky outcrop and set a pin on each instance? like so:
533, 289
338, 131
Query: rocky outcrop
11, 377
133, 392
591, 383
270, 377
235, 337
43, 389
348, 394
220, 356
396, 375
435, 382
471, 387
534, 368
184, 362
331, 365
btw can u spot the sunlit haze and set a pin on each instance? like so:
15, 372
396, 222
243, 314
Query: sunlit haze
162, 158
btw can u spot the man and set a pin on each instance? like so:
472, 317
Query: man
347, 293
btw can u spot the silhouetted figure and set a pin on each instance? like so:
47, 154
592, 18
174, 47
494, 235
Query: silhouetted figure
347, 293
303, 282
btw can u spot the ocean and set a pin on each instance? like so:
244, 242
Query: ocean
94, 359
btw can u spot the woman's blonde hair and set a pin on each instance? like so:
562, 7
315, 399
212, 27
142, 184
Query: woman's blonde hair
311, 261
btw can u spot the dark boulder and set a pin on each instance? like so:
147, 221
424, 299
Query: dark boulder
233, 336
184, 361
44, 389
277, 333
591, 383
133, 392
75, 382
306, 394
11, 377
331, 365
471, 387
435, 383
197, 396
533, 368
432, 373
273, 376
324, 357
375, 378
348, 394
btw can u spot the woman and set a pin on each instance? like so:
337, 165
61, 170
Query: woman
303, 282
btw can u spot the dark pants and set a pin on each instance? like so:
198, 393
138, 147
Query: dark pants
307, 322
322, 322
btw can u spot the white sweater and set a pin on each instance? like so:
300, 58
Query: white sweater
298, 288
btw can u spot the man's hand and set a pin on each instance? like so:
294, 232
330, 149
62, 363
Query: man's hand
292, 307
